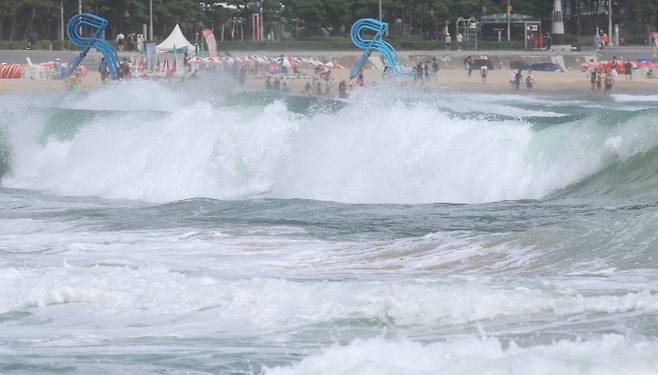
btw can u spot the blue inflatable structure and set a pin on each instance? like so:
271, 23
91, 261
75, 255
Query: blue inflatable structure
393, 64
87, 42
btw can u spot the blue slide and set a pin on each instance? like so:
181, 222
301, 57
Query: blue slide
393, 64
87, 42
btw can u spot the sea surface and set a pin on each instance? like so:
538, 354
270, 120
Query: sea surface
151, 228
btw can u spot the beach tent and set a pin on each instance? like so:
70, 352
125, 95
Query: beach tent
175, 40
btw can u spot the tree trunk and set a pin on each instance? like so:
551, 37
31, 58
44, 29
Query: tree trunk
28, 28
2, 18
593, 8
12, 30
411, 17
578, 21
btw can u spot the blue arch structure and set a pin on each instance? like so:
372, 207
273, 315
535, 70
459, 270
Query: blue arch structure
87, 42
393, 64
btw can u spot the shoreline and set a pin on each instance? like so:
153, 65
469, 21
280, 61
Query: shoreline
572, 83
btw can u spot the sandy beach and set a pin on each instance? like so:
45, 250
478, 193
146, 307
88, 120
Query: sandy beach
573, 82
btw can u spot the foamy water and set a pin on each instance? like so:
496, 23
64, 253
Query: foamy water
147, 229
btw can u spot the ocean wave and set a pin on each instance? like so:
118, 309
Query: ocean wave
610, 354
366, 153
271, 302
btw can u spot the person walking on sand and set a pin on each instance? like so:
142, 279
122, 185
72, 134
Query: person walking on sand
448, 41
599, 79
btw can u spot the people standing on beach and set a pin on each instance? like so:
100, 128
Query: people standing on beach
435, 66
318, 88
74, 83
276, 85
460, 39
124, 69
593, 77
120, 40
140, 43
342, 89
448, 41
103, 69
484, 71
609, 82
426, 68
284, 88
307, 88
599, 79
597, 42
242, 77
529, 80
359, 79
614, 64
518, 77
469, 65
628, 70
268, 84
418, 72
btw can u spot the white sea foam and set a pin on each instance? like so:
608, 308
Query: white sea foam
624, 98
608, 355
364, 154
269, 302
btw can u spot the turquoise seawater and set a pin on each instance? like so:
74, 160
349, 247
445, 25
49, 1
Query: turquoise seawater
156, 229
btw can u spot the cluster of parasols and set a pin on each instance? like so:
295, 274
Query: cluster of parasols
286, 61
621, 66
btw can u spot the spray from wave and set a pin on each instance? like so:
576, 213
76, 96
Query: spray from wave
373, 151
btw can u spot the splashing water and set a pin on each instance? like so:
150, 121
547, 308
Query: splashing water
149, 228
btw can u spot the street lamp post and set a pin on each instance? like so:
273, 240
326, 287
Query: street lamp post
380, 10
610, 33
151, 20
509, 22
61, 19
260, 21
79, 6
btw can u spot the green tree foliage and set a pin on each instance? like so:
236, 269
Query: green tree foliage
21, 19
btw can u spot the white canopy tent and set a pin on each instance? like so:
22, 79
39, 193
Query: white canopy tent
175, 40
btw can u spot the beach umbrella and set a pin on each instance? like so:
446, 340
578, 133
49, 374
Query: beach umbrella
333, 65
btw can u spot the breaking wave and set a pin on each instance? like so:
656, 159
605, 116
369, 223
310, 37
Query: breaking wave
373, 151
